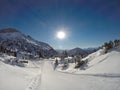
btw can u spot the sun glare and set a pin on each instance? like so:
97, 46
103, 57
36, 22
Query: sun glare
61, 35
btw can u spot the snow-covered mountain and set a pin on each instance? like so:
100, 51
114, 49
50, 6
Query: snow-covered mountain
76, 51
91, 50
14, 42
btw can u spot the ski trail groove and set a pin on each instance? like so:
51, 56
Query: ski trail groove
36, 81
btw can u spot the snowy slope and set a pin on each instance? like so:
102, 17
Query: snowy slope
40, 75
14, 41
99, 63
105, 64
54, 80
19, 78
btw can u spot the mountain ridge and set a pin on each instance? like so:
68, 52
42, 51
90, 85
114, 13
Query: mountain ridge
14, 41
8, 30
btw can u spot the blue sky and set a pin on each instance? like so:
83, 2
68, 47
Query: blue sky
88, 23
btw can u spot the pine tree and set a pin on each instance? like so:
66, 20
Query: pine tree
108, 46
15, 54
116, 42
64, 54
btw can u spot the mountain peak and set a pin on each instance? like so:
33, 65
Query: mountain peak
24, 46
8, 30
77, 48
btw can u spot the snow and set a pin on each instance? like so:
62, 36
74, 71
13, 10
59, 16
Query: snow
101, 73
18, 78
108, 63
98, 58
24, 46
11, 35
95, 54
99, 63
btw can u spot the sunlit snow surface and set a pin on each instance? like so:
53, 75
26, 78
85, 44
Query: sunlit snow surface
102, 73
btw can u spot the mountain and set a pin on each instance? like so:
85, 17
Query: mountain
91, 50
98, 64
76, 51
81, 51
59, 51
18, 44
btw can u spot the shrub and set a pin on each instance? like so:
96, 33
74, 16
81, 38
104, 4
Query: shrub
79, 64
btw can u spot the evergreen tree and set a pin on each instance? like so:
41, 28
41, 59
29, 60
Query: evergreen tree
64, 54
15, 54
108, 46
116, 42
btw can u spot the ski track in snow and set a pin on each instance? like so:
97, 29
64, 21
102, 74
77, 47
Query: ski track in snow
47, 72
54, 80
49, 79
107, 75
34, 83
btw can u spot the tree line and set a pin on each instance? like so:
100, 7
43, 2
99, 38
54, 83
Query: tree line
111, 44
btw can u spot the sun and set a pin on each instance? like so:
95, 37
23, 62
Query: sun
61, 34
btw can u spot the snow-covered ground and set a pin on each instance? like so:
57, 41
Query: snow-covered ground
99, 63
102, 73
54, 80
13, 77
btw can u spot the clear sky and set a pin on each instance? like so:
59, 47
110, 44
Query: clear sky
87, 23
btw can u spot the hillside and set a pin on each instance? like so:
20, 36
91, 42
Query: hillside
18, 44
99, 63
